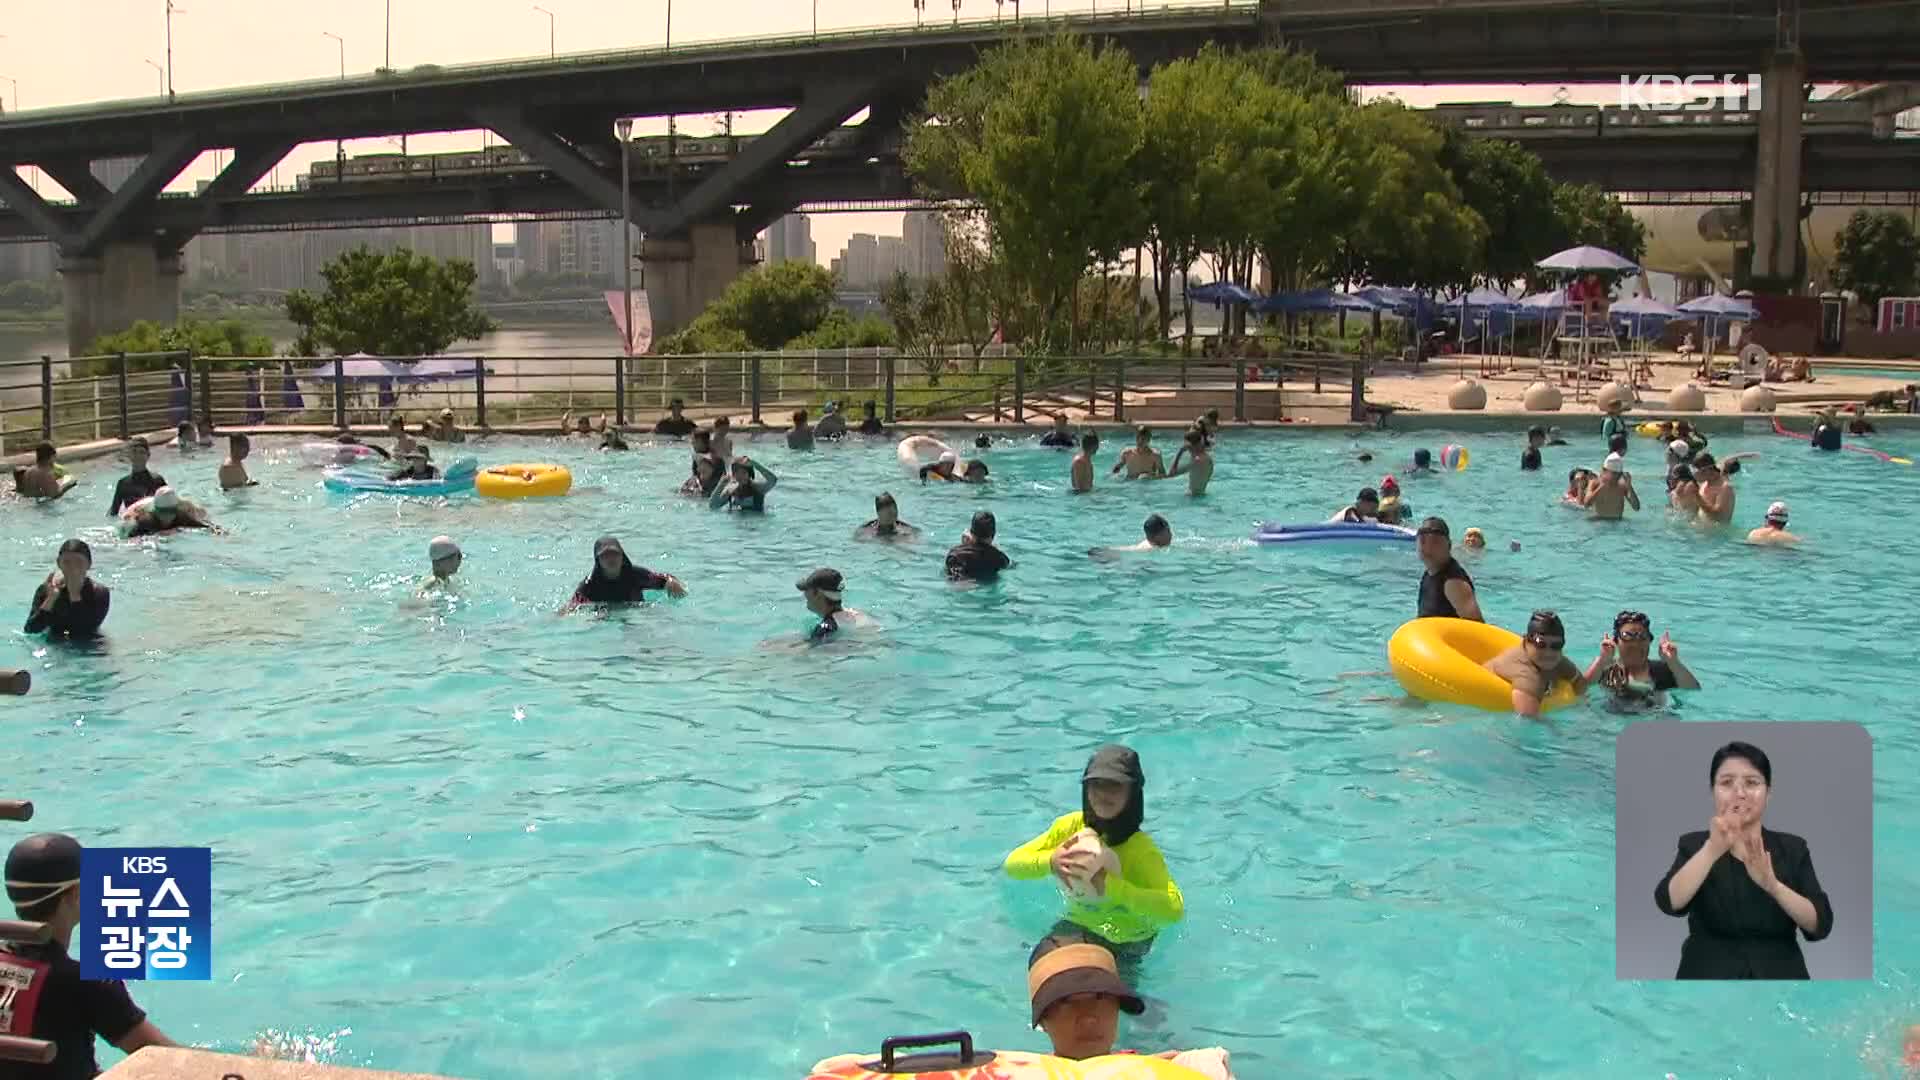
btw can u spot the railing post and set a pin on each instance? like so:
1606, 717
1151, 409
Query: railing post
121, 362
46, 397
480, 391
1183, 371
339, 393
754, 373
1239, 391
1357, 394
206, 397
186, 380
1093, 391
1020, 389
619, 389
1120, 388
890, 379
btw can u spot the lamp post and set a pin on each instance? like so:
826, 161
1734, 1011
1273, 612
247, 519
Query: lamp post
169, 72
550, 21
956, 12
669, 24
10, 81
339, 145
623, 128
161, 73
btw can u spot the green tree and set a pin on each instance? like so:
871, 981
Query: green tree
840, 330
1876, 255
1416, 228
395, 304
1589, 215
1044, 134
225, 338
919, 311
772, 305
1509, 188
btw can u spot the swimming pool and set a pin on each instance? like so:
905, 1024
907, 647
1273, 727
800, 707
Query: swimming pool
495, 843
1903, 375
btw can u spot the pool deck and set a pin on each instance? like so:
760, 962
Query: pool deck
162, 1063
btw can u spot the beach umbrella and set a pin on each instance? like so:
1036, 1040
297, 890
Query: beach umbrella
1541, 305
1587, 259
1639, 309
1222, 292
1400, 301
1714, 307
290, 397
1312, 300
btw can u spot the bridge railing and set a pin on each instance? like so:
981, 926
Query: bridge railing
94, 399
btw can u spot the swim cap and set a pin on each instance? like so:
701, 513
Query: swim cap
1777, 512
1474, 533
826, 580
442, 547
166, 499
42, 867
1389, 484
949, 458
1614, 463
1680, 448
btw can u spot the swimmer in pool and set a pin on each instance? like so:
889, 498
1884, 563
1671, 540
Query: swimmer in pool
1474, 543
823, 589
1393, 508
233, 474
1142, 461
886, 523
1061, 437
166, 513
1774, 532
723, 438
1159, 536
1716, 494
1612, 491
1422, 463
983, 441
1530, 457
418, 467
397, 427
1683, 491
1532, 667
800, 437
615, 580
1634, 682
1198, 462
946, 468
1127, 911
1578, 481
1209, 425
741, 492
187, 438
444, 558
709, 468
611, 439
44, 480
1082, 471
1365, 507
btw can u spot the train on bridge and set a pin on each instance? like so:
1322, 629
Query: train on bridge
1565, 120
648, 156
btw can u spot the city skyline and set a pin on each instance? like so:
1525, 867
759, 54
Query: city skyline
220, 44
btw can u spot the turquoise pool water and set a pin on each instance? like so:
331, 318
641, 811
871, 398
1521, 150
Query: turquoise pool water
484, 841
1902, 375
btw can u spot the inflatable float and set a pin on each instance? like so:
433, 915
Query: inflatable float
1780, 429
131, 512
1648, 430
523, 481
1333, 532
970, 1064
358, 479
918, 450
335, 453
1439, 660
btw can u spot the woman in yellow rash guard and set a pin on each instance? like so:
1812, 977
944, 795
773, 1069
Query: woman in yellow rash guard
1128, 911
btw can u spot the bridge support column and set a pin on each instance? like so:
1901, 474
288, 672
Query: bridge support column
1776, 187
685, 274
124, 284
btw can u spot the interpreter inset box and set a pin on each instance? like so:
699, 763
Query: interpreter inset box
1743, 851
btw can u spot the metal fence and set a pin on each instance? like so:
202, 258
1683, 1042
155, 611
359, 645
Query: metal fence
114, 397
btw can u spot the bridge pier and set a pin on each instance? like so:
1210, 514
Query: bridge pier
684, 274
128, 281
1776, 187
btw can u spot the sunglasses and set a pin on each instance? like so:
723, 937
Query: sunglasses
1634, 635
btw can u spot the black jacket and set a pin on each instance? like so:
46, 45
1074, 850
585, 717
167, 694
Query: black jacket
1735, 931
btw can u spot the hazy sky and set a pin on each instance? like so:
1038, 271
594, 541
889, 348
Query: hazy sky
65, 52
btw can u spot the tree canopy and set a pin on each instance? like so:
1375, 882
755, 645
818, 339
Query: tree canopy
1876, 255
200, 337
399, 303
786, 305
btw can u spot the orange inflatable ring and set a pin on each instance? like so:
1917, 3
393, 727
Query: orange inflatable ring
969, 1064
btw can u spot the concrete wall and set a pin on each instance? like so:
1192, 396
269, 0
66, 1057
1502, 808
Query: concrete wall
124, 284
683, 276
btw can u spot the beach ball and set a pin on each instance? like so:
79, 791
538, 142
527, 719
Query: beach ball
1453, 456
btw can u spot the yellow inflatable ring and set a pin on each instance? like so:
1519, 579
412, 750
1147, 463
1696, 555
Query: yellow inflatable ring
523, 481
1017, 1065
1650, 429
1439, 660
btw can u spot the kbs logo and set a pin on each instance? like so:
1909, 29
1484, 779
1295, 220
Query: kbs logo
1691, 93
146, 913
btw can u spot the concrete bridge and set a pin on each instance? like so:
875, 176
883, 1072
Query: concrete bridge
120, 248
